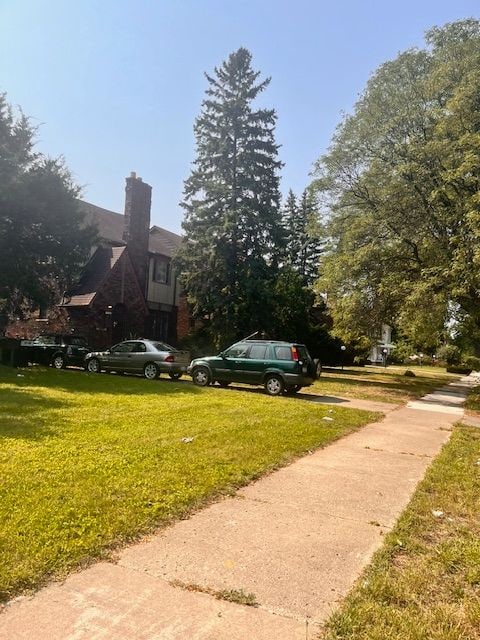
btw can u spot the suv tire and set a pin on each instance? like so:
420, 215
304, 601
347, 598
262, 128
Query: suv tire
201, 376
274, 385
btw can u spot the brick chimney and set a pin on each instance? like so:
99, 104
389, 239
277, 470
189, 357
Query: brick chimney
138, 199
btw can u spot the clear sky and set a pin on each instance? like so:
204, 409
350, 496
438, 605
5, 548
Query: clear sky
115, 85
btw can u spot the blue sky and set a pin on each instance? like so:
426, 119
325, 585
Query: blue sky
115, 85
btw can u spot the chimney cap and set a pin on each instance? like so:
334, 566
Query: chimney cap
133, 174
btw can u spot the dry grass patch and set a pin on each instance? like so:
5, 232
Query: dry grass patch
380, 384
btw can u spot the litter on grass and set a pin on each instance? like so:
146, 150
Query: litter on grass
187, 440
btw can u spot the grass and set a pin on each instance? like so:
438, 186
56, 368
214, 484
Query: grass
380, 384
239, 596
473, 400
89, 462
424, 584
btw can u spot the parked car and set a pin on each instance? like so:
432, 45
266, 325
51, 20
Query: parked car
149, 357
57, 350
278, 366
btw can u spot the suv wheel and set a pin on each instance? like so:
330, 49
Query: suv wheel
151, 371
294, 389
274, 385
201, 376
58, 361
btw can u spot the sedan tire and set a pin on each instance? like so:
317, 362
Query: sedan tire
93, 365
201, 376
274, 385
151, 371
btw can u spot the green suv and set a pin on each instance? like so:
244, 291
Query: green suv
281, 367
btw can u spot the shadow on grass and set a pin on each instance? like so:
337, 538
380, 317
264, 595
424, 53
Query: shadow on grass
22, 414
76, 380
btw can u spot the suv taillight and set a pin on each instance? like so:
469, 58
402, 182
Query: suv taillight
169, 359
295, 354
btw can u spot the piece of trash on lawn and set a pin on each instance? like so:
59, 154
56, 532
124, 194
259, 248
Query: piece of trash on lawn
437, 513
327, 419
187, 440
20, 375
330, 411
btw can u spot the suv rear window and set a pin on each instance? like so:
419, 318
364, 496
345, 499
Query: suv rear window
283, 353
303, 353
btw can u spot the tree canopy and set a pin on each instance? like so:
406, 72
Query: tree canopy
402, 183
42, 240
232, 218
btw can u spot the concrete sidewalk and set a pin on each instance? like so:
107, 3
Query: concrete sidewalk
296, 539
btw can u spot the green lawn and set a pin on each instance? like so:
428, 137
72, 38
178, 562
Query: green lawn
424, 584
473, 400
89, 461
380, 384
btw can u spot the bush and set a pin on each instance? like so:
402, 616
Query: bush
466, 371
409, 374
449, 353
471, 361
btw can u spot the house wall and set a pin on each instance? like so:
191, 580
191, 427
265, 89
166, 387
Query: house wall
118, 311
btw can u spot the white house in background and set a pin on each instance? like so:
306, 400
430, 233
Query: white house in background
385, 342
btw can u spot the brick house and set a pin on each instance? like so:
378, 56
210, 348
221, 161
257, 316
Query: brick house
129, 287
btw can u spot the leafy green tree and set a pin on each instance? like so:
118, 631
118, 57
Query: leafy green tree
42, 242
232, 223
402, 180
304, 243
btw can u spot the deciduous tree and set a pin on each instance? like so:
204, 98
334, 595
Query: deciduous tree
42, 240
402, 180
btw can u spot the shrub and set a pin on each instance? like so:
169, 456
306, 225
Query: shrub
409, 374
471, 361
466, 371
449, 353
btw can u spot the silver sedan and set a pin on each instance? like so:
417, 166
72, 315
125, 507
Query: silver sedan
149, 357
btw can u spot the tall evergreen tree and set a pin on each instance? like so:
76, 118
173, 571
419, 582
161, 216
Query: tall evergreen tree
304, 242
42, 237
232, 221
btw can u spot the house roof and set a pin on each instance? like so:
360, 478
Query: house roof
95, 272
110, 228
109, 224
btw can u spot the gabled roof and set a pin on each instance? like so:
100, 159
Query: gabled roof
163, 241
109, 224
94, 273
110, 229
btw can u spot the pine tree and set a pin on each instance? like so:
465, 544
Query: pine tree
304, 243
232, 221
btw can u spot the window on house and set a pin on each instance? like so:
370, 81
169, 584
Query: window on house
161, 271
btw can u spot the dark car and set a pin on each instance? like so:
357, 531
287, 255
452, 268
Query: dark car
278, 366
57, 350
149, 357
